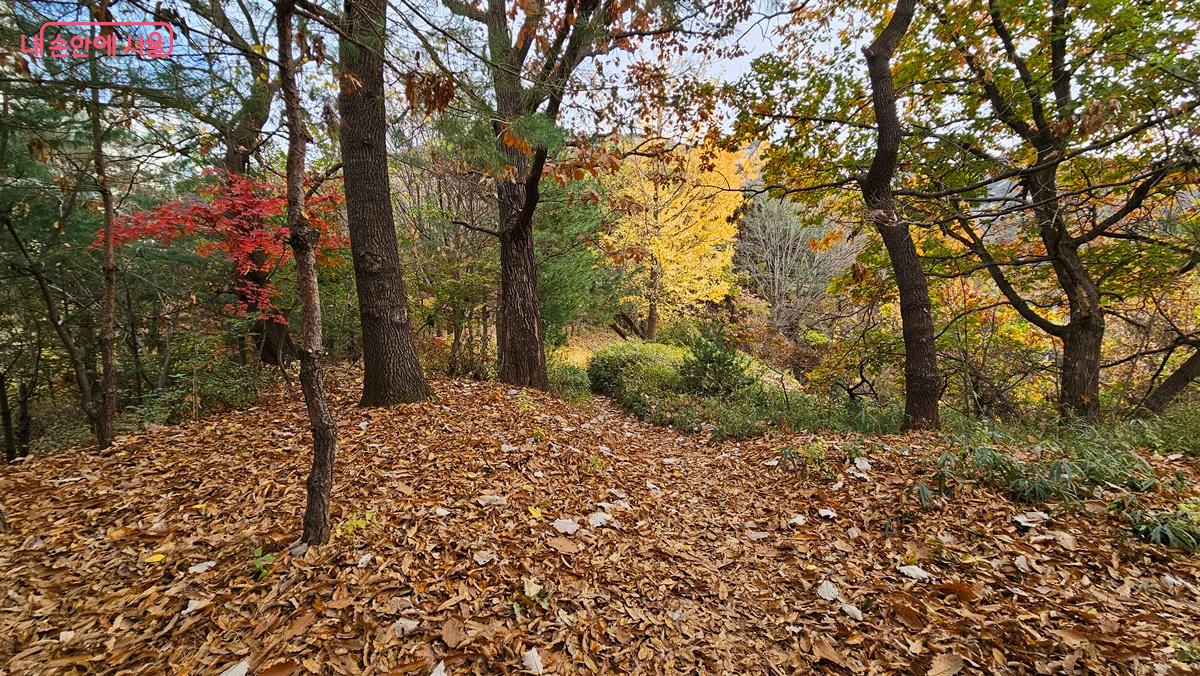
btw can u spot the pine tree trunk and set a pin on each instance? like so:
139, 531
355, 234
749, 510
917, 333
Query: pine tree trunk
519, 332
303, 240
1180, 378
107, 415
391, 371
922, 381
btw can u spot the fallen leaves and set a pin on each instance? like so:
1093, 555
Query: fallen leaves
946, 664
454, 633
463, 572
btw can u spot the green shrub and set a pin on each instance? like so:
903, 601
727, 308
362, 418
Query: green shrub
1062, 473
713, 366
220, 386
1179, 528
631, 369
668, 385
567, 380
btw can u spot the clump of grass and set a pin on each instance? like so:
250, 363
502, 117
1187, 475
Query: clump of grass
1060, 473
1178, 528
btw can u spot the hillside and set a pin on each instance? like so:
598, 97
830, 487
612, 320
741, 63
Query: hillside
171, 553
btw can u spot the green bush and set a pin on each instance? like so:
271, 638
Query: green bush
567, 380
713, 365
220, 386
1179, 528
669, 385
631, 370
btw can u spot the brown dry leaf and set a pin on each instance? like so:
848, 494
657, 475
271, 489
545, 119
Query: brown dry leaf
961, 590
822, 650
946, 664
285, 668
564, 545
454, 633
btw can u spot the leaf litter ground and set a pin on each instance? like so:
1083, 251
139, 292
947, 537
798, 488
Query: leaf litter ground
502, 531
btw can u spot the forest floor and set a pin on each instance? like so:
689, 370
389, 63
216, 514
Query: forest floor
171, 554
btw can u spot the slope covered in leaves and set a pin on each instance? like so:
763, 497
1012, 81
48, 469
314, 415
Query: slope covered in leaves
497, 531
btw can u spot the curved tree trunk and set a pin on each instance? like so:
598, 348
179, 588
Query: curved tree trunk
303, 240
922, 382
391, 371
1161, 396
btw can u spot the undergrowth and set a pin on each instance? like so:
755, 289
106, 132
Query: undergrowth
708, 387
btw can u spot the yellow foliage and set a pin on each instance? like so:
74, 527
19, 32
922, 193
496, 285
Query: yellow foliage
676, 231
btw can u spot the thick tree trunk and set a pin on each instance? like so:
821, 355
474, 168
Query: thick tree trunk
303, 240
1083, 336
391, 371
1161, 396
108, 308
922, 382
522, 356
1079, 392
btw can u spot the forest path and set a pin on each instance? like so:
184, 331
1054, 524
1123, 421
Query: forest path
691, 556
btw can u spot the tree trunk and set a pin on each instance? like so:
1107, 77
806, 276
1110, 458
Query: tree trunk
10, 439
303, 240
1175, 383
522, 357
1083, 336
922, 382
108, 308
24, 421
650, 331
391, 371
1079, 393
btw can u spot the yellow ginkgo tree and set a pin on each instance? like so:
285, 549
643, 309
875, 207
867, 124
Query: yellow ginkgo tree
674, 230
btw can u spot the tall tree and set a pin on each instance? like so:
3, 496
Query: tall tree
303, 240
391, 372
922, 382
108, 305
1053, 131
530, 54
675, 234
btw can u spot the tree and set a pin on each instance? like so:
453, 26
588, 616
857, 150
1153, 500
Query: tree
1062, 130
675, 230
391, 372
530, 55
106, 419
922, 382
789, 254
303, 240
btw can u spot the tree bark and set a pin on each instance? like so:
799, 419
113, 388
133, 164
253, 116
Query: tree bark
391, 371
519, 331
24, 421
1161, 396
922, 382
303, 240
10, 438
107, 416
1083, 335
